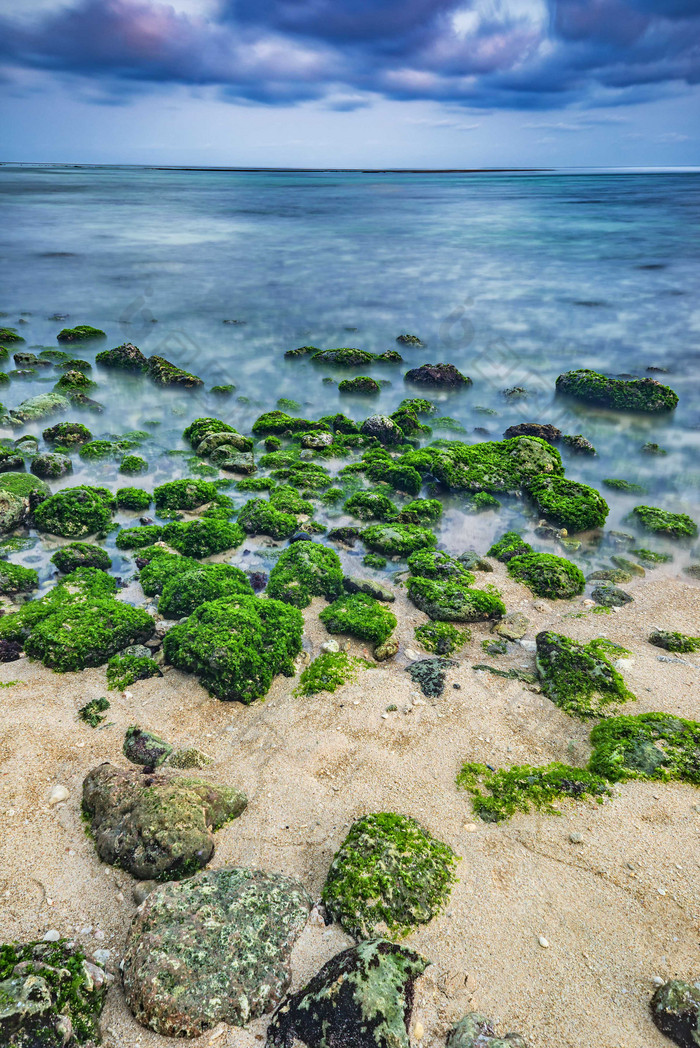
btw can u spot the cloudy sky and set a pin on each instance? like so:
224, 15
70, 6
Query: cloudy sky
348, 83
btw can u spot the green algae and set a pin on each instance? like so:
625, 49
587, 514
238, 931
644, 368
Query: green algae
81, 555
522, 787
187, 590
626, 486
139, 537
260, 517
203, 537
397, 540
360, 616
133, 464
188, 494
371, 505
161, 566
125, 670
133, 498
673, 641
568, 504
389, 873
508, 546
75, 512
442, 638
662, 522
15, 578
654, 746
638, 394
80, 333
329, 671
580, 678
547, 575
305, 570
94, 712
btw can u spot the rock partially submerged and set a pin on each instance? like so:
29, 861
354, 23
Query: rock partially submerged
445, 376
362, 997
214, 948
36, 408
637, 394
154, 825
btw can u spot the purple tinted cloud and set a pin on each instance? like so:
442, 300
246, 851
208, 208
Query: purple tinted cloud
284, 51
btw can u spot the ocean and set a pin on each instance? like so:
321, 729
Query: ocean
513, 277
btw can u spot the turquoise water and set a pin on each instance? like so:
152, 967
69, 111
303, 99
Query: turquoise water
512, 277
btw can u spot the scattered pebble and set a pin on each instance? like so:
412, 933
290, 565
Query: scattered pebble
418, 1031
58, 795
544, 943
576, 838
657, 980
52, 935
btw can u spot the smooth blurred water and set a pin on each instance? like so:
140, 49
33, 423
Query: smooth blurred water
512, 277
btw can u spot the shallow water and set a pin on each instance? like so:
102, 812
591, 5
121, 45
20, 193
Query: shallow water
512, 277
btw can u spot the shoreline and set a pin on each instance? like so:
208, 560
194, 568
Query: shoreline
617, 908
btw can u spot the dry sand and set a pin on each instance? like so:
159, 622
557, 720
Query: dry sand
617, 909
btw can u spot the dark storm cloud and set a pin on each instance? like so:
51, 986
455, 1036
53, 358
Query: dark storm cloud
530, 56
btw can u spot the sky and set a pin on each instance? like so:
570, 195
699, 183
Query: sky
351, 83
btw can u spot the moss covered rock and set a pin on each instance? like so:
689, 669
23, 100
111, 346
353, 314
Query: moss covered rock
348, 357
144, 748
51, 465
522, 787
164, 373
360, 616
675, 1009
138, 537
442, 638
305, 570
133, 498
580, 678
126, 357
361, 997
451, 600
547, 576
186, 591
329, 671
68, 434
211, 949
42, 406
14, 578
371, 505
260, 517
51, 996
438, 376
133, 464
81, 333
281, 422
476, 1031
81, 555
75, 512
437, 564
568, 504
508, 546
637, 394
156, 826
421, 511
397, 540
363, 386
662, 522
383, 429
204, 537
237, 646
673, 641
125, 669
9, 336
389, 874
160, 567
187, 494
492, 466
649, 746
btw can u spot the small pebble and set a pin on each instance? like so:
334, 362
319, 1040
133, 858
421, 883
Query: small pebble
330, 647
469, 827
58, 795
52, 935
544, 943
418, 1031
657, 980
576, 838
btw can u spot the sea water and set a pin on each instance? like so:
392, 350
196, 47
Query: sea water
512, 277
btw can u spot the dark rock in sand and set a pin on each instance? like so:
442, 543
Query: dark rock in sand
476, 1031
611, 597
143, 747
429, 675
675, 1009
362, 998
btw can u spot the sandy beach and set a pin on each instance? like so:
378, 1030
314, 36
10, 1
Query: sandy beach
613, 888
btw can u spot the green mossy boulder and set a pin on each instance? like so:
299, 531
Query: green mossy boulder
126, 357
74, 382
547, 576
492, 466
138, 537
637, 394
305, 570
421, 511
201, 428
675, 1010
280, 422
383, 429
371, 505
361, 998
75, 512
133, 498
359, 616
627, 487
52, 996
397, 540
436, 564
650, 746
253, 639
348, 357
187, 494
133, 464
81, 555
68, 434
389, 874
580, 678
442, 638
11, 462
438, 376
453, 600
661, 522
260, 517
508, 546
153, 825
187, 590
164, 373
10, 336
362, 386
161, 567
213, 949
81, 333
36, 408
287, 499
143, 747
204, 537
13, 508
568, 504
522, 787
14, 578
51, 465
